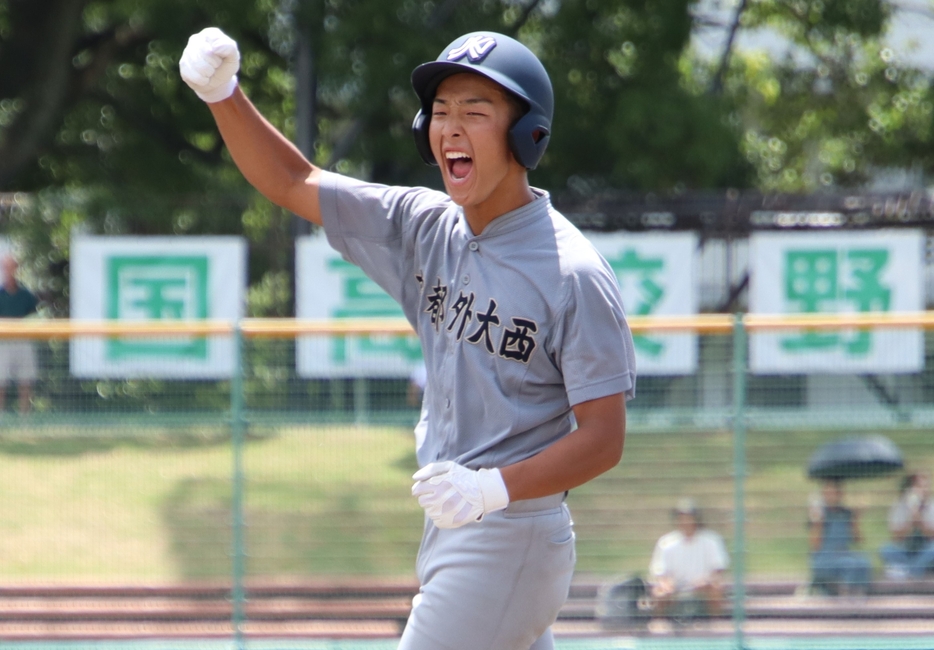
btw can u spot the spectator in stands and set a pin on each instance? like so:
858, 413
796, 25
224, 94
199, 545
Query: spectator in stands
833, 532
911, 524
687, 566
17, 357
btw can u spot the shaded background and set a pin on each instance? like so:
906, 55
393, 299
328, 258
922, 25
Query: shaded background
97, 130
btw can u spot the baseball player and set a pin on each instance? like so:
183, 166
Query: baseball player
528, 354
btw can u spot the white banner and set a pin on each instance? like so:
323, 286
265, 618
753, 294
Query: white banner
656, 273
837, 272
326, 286
156, 278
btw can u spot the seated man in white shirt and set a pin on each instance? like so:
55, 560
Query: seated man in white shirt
688, 564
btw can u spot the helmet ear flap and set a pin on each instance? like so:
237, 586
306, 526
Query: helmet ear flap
420, 133
528, 139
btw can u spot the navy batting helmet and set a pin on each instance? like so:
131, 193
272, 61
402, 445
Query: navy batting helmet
510, 64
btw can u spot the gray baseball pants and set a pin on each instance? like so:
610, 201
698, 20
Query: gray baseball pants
494, 585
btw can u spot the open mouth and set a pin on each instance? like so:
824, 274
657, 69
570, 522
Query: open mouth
459, 164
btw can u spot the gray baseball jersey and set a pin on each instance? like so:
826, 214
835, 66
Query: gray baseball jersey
517, 324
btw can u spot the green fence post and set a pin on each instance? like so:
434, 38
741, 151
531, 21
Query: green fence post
237, 430
361, 401
739, 479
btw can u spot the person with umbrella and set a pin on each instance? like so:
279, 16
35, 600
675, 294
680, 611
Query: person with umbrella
911, 524
833, 532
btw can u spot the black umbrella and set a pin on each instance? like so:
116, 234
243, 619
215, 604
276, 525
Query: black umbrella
857, 457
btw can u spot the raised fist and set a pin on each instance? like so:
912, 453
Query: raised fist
210, 63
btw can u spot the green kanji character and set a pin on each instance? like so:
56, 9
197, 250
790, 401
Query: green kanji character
650, 292
363, 298
812, 279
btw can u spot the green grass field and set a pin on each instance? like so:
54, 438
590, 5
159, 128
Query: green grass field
154, 505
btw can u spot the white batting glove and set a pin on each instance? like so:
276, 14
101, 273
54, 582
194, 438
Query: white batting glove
209, 65
453, 495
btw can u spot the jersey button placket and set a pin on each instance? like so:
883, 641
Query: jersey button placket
473, 246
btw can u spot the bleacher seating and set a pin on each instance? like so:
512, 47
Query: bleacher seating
368, 607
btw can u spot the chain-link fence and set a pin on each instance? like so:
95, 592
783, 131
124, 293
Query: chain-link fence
272, 504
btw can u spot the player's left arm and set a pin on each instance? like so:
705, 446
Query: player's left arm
454, 495
590, 450
592, 348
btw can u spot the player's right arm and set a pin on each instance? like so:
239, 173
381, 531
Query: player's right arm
271, 163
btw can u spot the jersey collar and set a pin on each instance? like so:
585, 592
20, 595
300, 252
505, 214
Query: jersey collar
518, 218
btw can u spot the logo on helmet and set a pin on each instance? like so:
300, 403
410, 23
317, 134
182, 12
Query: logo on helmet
475, 49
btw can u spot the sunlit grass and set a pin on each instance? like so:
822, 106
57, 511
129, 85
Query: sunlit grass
155, 505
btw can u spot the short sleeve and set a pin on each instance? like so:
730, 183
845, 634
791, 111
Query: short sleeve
594, 344
371, 224
657, 567
720, 559
899, 516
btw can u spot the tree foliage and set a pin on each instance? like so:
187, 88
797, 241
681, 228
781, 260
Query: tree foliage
101, 131
838, 107
103, 135
97, 127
